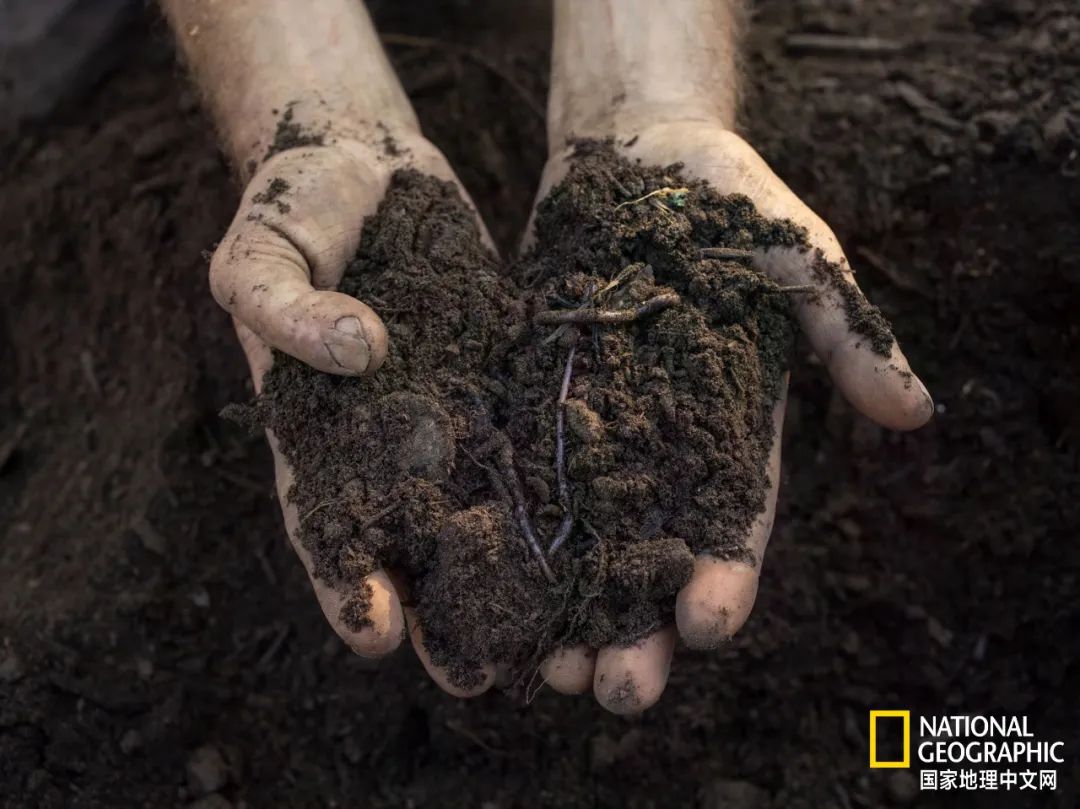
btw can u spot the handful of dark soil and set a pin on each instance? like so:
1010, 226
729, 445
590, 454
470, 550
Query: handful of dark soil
547, 446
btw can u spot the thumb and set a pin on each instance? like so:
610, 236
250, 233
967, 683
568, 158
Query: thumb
296, 230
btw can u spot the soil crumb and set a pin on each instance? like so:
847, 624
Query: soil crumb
274, 189
863, 317
291, 135
541, 482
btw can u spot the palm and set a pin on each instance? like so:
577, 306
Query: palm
276, 271
719, 597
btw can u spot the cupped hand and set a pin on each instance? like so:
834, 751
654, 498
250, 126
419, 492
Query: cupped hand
720, 595
276, 271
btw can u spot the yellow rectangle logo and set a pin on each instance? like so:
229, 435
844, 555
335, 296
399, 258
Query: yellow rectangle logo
906, 761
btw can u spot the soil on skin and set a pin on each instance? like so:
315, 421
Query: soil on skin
443, 463
159, 641
291, 135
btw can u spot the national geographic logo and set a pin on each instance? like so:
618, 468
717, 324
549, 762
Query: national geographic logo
966, 752
891, 738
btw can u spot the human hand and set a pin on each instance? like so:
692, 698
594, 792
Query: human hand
718, 599
300, 218
275, 271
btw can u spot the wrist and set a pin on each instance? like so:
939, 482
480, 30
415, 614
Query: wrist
312, 122
269, 68
619, 65
629, 120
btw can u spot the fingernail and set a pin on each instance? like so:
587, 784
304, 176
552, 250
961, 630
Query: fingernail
347, 346
926, 393
928, 401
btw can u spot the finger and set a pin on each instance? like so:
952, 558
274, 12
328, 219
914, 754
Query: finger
570, 670
485, 674
717, 600
881, 387
370, 622
369, 618
297, 228
629, 679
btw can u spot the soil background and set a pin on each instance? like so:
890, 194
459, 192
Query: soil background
160, 644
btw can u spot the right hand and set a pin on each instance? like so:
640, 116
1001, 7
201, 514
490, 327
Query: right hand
275, 272
717, 601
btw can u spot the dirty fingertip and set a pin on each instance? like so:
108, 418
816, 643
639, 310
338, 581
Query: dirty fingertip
463, 684
881, 388
631, 679
570, 670
716, 602
372, 621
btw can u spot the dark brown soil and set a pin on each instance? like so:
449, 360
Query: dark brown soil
158, 637
446, 466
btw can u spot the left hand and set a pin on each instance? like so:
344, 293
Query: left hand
716, 602
277, 271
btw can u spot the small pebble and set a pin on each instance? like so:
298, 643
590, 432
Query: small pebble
130, 741
207, 770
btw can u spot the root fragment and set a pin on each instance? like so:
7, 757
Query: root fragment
386, 512
726, 253
675, 196
521, 513
563, 533
655, 304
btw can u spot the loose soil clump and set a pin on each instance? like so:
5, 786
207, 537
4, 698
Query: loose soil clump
547, 447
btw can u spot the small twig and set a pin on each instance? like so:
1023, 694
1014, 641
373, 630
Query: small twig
499, 485
590, 315
530, 692
798, 288
273, 649
626, 272
534, 544
367, 523
267, 568
727, 253
374, 518
317, 508
86, 360
464, 732
893, 275
674, 193
410, 41
243, 482
925, 108
842, 44
560, 457
506, 460
563, 534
